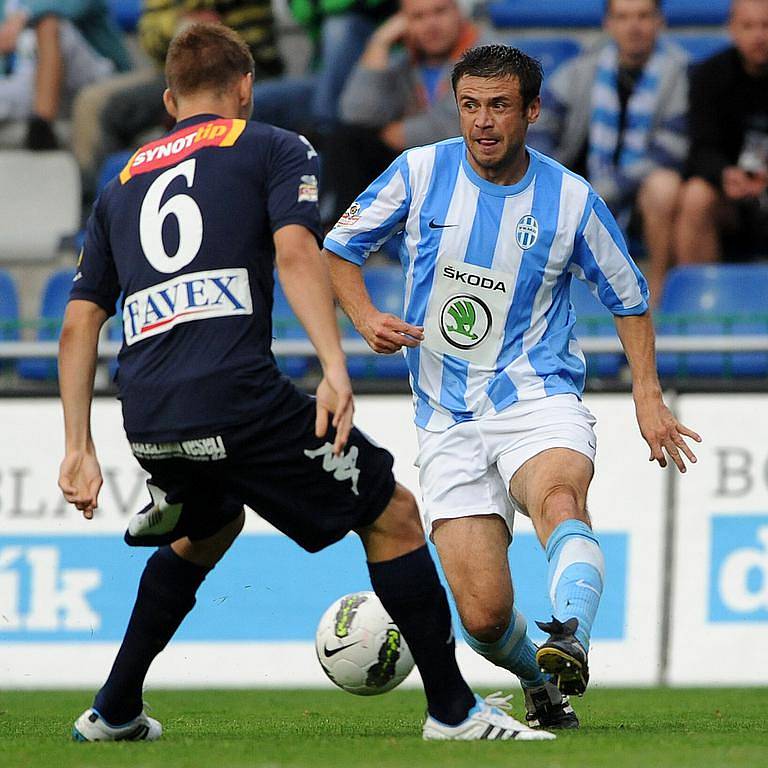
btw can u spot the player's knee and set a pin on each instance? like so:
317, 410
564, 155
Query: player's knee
400, 518
562, 502
397, 531
208, 552
486, 623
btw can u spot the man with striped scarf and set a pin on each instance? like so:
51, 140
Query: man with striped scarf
617, 115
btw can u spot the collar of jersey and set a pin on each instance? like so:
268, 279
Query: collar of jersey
501, 190
203, 118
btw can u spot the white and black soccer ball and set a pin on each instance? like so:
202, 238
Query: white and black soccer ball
359, 646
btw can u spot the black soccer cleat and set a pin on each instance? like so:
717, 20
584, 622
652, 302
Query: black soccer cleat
548, 708
563, 656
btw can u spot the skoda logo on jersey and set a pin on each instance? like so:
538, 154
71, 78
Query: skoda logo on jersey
465, 321
527, 232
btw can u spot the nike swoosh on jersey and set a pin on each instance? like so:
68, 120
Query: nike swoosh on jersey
434, 225
328, 653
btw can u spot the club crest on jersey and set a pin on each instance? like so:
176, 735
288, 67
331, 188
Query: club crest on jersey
185, 298
465, 321
527, 232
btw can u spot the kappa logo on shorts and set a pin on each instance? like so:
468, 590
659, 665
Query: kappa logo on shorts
343, 467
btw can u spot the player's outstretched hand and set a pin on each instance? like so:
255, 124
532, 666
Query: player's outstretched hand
387, 333
663, 432
80, 481
334, 396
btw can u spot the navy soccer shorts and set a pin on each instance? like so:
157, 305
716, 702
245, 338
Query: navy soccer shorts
276, 466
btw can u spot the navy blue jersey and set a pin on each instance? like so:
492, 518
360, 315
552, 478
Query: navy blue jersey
184, 235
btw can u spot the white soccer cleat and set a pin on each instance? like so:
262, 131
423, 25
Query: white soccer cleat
91, 726
486, 720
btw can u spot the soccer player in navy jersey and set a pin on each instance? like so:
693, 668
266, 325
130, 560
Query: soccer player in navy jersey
186, 235
490, 234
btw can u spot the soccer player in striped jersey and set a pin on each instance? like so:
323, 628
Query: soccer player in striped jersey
490, 235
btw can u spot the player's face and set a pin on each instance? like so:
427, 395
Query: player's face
634, 25
494, 121
749, 30
433, 26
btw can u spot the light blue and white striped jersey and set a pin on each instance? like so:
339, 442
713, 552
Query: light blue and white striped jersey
487, 272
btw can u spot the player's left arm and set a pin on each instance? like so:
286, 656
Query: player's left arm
601, 259
658, 425
80, 474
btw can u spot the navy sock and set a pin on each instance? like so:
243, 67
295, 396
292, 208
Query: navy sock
410, 591
166, 595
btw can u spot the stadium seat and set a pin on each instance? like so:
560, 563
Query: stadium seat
385, 285
285, 325
552, 52
126, 13
55, 297
9, 313
700, 47
110, 168
722, 299
593, 319
39, 193
589, 13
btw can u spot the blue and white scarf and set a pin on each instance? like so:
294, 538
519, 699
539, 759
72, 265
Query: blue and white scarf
617, 182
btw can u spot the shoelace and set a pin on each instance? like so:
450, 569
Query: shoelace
498, 700
500, 708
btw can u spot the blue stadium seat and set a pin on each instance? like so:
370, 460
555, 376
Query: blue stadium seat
9, 313
722, 299
589, 13
285, 326
593, 319
55, 297
110, 168
552, 52
126, 13
700, 47
385, 285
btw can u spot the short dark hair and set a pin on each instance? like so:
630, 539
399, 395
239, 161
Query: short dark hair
501, 61
206, 57
657, 3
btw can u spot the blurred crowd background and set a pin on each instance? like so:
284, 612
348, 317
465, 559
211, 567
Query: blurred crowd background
661, 105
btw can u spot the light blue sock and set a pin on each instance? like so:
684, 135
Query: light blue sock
514, 651
576, 575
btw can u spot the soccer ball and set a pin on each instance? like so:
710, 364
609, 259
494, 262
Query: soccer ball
360, 648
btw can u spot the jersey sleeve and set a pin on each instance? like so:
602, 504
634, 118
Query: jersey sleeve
602, 261
292, 187
96, 277
376, 215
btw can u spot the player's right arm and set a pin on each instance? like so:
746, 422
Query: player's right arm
304, 277
376, 215
384, 332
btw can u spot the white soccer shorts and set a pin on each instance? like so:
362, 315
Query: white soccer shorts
465, 471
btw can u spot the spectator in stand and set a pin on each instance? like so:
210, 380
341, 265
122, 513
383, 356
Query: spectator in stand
110, 116
728, 163
338, 30
398, 96
52, 49
617, 115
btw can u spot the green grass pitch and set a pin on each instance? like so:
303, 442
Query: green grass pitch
229, 729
